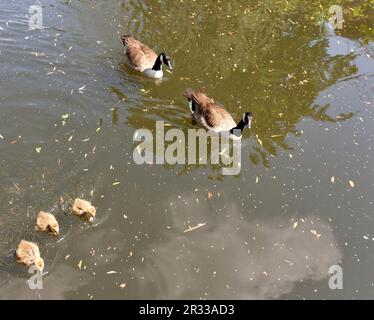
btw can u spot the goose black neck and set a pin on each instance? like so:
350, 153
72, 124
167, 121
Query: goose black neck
158, 63
240, 126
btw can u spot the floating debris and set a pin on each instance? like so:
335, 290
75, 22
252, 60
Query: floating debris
194, 228
351, 183
47, 222
314, 232
38, 149
80, 90
84, 209
259, 140
123, 285
80, 265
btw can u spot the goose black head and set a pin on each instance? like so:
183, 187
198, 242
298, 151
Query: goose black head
166, 59
247, 118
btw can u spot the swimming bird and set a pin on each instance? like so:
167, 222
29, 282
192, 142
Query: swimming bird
144, 59
84, 209
213, 117
47, 222
28, 253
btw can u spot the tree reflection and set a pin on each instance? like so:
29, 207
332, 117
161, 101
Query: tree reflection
268, 57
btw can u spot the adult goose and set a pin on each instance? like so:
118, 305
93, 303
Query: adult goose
144, 59
213, 117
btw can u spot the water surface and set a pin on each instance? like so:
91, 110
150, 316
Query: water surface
302, 202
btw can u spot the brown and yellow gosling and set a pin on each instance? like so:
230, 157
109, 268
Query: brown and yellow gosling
47, 222
28, 254
84, 209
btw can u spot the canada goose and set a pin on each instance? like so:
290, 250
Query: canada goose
213, 117
84, 209
28, 253
47, 222
144, 59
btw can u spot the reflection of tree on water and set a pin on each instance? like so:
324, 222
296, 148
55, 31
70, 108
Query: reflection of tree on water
253, 56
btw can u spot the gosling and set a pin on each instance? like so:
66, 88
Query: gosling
28, 254
84, 209
48, 223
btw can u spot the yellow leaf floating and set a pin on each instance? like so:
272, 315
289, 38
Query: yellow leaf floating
111, 272
258, 139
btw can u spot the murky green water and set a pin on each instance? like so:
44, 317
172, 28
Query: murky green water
302, 202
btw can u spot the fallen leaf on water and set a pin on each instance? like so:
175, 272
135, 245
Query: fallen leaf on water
210, 195
1, 137
295, 225
257, 179
123, 285
258, 139
333, 179
314, 232
116, 183
111, 272
351, 183
38, 149
14, 141
80, 265
193, 228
